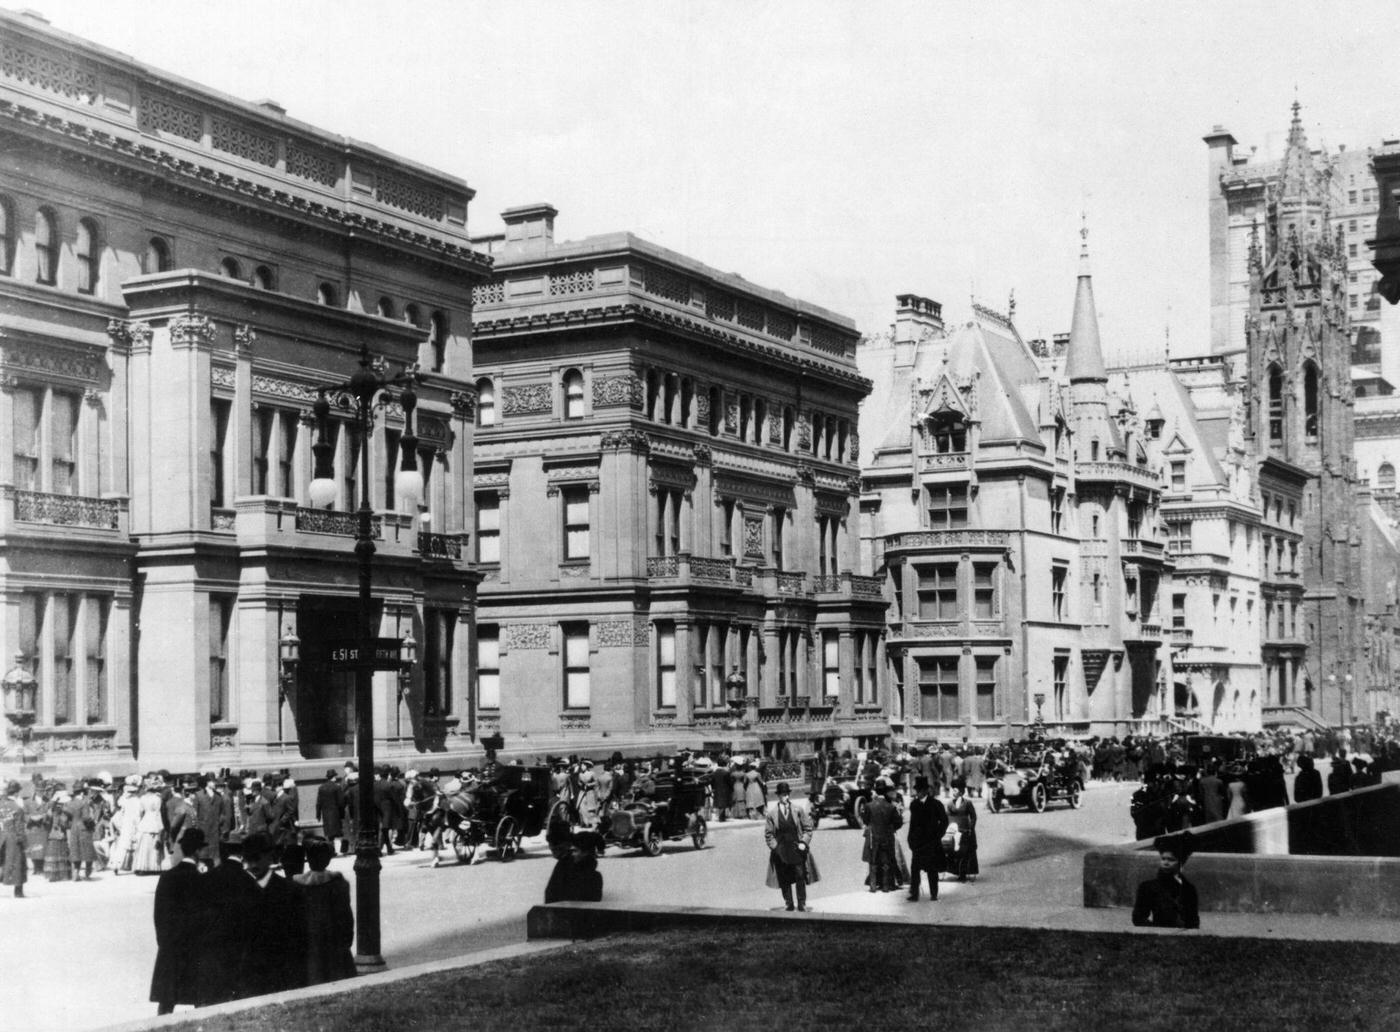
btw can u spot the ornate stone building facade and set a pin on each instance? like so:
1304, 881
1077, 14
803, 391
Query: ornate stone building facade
1013, 509
180, 274
665, 488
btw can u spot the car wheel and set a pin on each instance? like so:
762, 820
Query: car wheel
1037, 798
1072, 796
651, 841
507, 839
701, 832
861, 810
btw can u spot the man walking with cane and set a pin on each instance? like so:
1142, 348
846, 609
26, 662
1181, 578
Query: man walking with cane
787, 829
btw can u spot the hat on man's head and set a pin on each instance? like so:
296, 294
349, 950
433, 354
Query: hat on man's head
920, 783
782, 788
192, 840
188, 783
259, 843
330, 774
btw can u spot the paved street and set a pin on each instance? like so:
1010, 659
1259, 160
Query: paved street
80, 954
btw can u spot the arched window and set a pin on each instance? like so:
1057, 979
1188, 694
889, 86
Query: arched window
229, 267
157, 257
1309, 399
573, 394
437, 337
45, 247
1385, 477
716, 411
1275, 403
385, 308
485, 402
88, 250
412, 315
263, 278
7, 237
326, 294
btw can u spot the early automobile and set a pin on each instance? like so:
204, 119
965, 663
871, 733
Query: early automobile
1034, 777
660, 806
508, 804
844, 796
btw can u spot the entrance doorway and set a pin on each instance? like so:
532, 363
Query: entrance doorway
325, 700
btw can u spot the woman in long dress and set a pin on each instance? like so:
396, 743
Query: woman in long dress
125, 824
962, 821
56, 863
753, 792
150, 833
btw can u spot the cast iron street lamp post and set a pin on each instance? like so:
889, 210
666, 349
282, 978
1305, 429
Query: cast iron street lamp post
408, 488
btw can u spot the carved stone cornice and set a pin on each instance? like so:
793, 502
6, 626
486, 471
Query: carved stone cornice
73, 364
192, 330
626, 440
244, 338
463, 404
703, 456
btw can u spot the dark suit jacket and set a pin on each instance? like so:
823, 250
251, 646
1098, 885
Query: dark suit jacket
180, 915
928, 822
1167, 902
284, 819
1307, 785
330, 803
272, 921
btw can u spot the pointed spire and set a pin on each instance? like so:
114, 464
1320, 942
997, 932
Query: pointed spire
1085, 355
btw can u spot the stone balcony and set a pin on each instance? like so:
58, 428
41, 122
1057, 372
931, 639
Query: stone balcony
1144, 548
100, 517
849, 585
1118, 473
259, 521
948, 540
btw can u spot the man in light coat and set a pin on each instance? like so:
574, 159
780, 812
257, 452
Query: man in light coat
787, 830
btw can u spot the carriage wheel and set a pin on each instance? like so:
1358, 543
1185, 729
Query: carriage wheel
463, 845
1072, 796
507, 838
861, 811
1037, 798
651, 841
700, 833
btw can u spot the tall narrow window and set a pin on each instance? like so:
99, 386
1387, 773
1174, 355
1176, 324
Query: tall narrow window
87, 249
760, 421
1057, 509
1058, 575
488, 527
95, 645
576, 673
7, 237
1178, 610
986, 688
687, 403
1309, 399
485, 402
28, 410
775, 536
46, 247
745, 416
789, 422
157, 258
984, 592
63, 442
392, 438
668, 522
1179, 475
949, 436
350, 467
437, 339
872, 683
831, 663
716, 411
440, 625
938, 592
1275, 403
264, 442
947, 506
63, 613
654, 398
726, 529
220, 620
286, 451
488, 667
665, 665
573, 394
1059, 706
576, 523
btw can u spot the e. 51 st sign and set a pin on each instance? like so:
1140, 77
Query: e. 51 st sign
378, 654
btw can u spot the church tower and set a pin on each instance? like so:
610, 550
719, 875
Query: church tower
1299, 402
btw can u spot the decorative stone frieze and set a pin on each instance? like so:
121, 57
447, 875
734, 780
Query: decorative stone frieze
191, 330
626, 440
528, 635
616, 634
528, 400
80, 366
626, 391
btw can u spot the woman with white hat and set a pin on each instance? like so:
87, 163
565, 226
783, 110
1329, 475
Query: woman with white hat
126, 820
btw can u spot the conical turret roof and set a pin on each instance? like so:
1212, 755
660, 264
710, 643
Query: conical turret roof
1085, 357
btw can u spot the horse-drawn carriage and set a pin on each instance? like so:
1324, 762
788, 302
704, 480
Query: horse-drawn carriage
508, 804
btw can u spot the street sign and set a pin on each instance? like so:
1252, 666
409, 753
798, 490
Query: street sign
381, 654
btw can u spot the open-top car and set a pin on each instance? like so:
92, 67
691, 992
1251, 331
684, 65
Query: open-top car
661, 806
843, 796
1033, 777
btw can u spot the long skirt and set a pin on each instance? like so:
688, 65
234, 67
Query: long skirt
962, 860
82, 849
56, 865
150, 853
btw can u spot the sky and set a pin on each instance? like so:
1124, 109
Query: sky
840, 152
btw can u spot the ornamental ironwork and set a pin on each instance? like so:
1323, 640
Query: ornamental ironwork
440, 546
707, 568
791, 583
575, 722
663, 566
867, 587
329, 521
67, 510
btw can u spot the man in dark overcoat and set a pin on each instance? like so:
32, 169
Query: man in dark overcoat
179, 918
268, 911
14, 858
928, 822
330, 805
787, 831
213, 815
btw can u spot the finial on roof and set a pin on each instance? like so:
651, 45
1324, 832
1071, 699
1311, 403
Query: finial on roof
1011, 304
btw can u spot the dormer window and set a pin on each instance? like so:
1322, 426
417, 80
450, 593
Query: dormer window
949, 434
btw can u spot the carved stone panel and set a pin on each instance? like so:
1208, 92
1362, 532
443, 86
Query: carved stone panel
753, 537
528, 636
528, 400
626, 391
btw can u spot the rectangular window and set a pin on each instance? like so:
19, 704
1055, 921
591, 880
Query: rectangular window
986, 688
831, 663
350, 467
1058, 574
63, 614
668, 522
1059, 705
28, 408
775, 537
264, 441
1178, 611
872, 684
220, 620
938, 592
286, 486
666, 665
439, 628
576, 526
947, 506
858, 666
984, 596
576, 681
726, 529
1057, 509
488, 667
938, 689
95, 645
63, 442
391, 466
1179, 536
488, 527
716, 645
1178, 476
219, 409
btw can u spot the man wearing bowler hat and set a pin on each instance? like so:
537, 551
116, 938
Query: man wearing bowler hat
928, 821
787, 829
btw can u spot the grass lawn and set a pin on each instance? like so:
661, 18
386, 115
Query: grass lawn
881, 979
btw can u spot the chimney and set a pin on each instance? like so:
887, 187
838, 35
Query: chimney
268, 104
913, 317
529, 228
